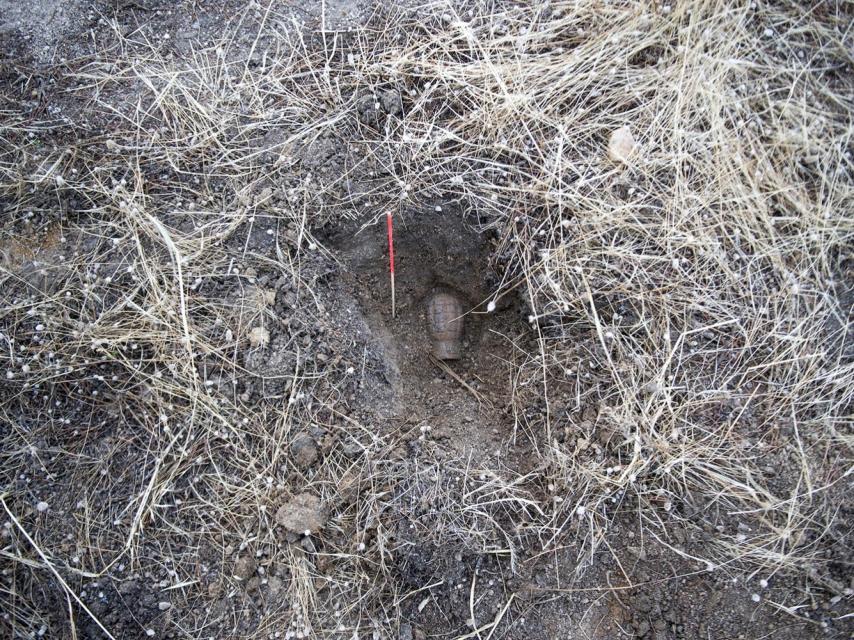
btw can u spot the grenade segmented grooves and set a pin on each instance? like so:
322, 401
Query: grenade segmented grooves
444, 315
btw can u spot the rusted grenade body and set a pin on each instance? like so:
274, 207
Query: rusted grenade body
444, 316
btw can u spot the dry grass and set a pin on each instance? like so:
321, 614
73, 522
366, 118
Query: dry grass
689, 304
696, 285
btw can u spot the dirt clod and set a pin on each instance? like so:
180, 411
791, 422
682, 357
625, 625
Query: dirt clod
304, 513
244, 568
391, 102
304, 450
259, 337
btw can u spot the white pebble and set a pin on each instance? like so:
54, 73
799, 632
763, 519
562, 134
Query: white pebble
42, 506
491, 306
621, 145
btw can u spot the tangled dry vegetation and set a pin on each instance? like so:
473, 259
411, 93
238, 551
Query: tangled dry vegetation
689, 300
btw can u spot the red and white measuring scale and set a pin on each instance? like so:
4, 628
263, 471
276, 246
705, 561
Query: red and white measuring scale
390, 228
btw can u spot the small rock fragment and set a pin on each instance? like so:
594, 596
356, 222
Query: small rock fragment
244, 568
352, 449
304, 450
651, 388
621, 145
214, 589
275, 587
163, 605
268, 296
253, 585
391, 102
42, 506
127, 587
259, 337
367, 108
304, 512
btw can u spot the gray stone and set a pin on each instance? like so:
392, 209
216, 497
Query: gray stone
244, 568
304, 450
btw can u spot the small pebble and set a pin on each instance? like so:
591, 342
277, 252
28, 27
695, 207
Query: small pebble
259, 337
621, 145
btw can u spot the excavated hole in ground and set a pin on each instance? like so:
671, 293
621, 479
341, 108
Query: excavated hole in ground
465, 402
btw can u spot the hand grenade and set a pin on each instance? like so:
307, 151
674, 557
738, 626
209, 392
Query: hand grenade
444, 315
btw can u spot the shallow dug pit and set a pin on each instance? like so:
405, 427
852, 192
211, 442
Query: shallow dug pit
464, 401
